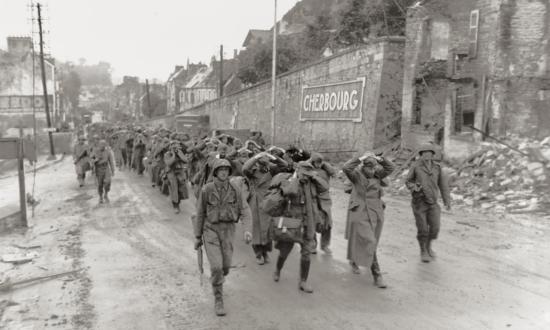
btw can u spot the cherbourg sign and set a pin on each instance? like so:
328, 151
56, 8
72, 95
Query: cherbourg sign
338, 101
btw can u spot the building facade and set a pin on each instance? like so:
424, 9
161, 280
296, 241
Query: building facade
21, 93
476, 63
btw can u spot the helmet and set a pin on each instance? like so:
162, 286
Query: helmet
222, 163
427, 147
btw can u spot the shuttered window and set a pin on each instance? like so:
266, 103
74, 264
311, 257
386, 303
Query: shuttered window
473, 33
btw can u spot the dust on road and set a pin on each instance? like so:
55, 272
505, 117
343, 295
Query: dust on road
141, 273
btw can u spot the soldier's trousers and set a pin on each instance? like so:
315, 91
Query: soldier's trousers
286, 247
218, 243
103, 174
177, 186
427, 218
326, 235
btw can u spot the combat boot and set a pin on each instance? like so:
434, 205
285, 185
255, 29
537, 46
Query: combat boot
218, 301
106, 198
377, 274
101, 201
304, 272
431, 252
424, 256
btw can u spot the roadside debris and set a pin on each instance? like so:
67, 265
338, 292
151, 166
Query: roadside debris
8, 285
499, 179
18, 259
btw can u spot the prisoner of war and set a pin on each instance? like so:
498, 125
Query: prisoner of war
104, 164
81, 159
366, 211
220, 205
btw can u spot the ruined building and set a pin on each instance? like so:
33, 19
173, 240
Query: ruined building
480, 63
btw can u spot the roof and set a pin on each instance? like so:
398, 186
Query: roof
255, 35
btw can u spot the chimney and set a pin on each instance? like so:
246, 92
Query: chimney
19, 46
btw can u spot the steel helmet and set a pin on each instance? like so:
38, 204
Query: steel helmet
222, 163
427, 147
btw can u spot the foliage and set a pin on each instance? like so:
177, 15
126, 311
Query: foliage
71, 85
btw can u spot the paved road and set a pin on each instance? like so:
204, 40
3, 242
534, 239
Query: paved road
491, 273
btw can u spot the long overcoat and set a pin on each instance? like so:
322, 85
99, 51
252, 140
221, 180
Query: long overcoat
365, 216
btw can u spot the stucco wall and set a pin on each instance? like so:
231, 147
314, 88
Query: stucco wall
380, 63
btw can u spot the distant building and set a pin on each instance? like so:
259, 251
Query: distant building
21, 91
480, 63
178, 80
204, 85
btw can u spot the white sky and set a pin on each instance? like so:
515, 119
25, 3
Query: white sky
142, 38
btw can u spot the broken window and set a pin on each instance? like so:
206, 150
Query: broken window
464, 106
473, 33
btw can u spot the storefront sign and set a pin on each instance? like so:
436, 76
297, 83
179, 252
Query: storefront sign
338, 101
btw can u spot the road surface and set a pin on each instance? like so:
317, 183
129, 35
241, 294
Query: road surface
140, 272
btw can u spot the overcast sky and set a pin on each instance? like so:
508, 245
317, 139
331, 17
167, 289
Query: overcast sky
142, 38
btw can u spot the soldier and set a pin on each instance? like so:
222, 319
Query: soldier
366, 211
219, 207
81, 159
176, 173
139, 153
104, 165
324, 226
304, 206
259, 171
424, 180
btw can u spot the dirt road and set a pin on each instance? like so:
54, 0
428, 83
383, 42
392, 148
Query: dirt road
140, 270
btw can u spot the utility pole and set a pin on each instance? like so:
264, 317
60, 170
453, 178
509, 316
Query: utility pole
274, 76
221, 71
148, 98
44, 87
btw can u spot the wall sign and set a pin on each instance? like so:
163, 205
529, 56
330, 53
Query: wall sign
338, 101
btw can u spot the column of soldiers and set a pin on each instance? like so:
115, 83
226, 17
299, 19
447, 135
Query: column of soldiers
281, 196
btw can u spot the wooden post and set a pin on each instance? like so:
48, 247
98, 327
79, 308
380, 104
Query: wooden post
21, 174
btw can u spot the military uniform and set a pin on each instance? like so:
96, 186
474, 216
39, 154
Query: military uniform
176, 173
104, 165
81, 158
365, 218
302, 205
425, 180
324, 225
219, 207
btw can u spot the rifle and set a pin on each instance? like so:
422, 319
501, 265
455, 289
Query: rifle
200, 264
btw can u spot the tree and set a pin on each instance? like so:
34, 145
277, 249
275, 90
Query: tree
256, 62
71, 85
354, 25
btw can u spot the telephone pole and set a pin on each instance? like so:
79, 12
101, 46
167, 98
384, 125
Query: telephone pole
274, 76
44, 85
221, 71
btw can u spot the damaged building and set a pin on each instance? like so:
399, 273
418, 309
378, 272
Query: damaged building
475, 65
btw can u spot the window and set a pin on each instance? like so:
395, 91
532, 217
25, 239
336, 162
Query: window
473, 33
464, 106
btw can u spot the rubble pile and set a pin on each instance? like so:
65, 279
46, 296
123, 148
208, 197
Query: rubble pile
498, 178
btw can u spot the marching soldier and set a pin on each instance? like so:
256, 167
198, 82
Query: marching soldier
366, 211
425, 180
81, 158
104, 165
219, 207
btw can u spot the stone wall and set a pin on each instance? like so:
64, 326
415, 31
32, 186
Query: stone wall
379, 62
